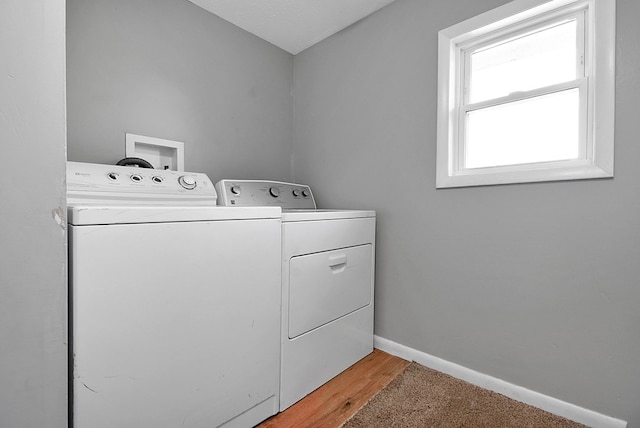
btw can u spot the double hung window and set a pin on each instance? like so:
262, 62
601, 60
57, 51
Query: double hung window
518, 90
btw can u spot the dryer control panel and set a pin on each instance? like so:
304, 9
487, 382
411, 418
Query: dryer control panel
122, 185
250, 193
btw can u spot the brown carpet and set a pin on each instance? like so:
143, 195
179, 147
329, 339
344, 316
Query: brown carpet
421, 397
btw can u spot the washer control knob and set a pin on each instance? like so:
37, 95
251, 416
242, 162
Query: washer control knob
235, 190
136, 178
296, 192
274, 191
305, 193
187, 181
113, 176
157, 179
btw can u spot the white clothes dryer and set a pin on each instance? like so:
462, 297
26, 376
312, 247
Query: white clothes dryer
328, 261
174, 302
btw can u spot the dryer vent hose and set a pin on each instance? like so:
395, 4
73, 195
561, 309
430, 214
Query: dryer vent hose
139, 162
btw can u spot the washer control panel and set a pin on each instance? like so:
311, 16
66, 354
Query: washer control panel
250, 193
111, 184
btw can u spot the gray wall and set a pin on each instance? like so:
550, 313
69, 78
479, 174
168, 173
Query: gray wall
33, 352
169, 69
535, 284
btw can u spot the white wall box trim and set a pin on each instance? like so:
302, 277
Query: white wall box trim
163, 154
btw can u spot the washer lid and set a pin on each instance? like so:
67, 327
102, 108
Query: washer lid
324, 214
80, 215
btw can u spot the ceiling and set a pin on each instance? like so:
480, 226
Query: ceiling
292, 25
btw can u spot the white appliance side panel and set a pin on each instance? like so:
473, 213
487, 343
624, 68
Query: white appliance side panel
175, 324
325, 286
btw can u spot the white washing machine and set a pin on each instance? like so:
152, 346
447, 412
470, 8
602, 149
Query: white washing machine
174, 302
328, 260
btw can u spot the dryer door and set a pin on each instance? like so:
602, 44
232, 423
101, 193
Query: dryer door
328, 285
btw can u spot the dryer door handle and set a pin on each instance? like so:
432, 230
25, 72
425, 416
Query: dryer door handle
337, 261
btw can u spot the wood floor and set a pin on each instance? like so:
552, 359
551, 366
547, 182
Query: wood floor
333, 403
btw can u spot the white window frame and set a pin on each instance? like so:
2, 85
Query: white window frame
596, 83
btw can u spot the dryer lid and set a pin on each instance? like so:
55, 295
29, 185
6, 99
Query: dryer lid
324, 214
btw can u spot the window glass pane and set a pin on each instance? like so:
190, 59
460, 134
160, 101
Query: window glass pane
540, 129
536, 60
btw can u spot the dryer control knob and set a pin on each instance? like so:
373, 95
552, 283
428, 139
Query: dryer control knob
296, 192
187, 181
235, 190
305, 193
274, 191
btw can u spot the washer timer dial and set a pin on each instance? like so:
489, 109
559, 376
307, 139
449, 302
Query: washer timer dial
187, 181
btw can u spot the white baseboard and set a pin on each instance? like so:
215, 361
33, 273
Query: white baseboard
541, 401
